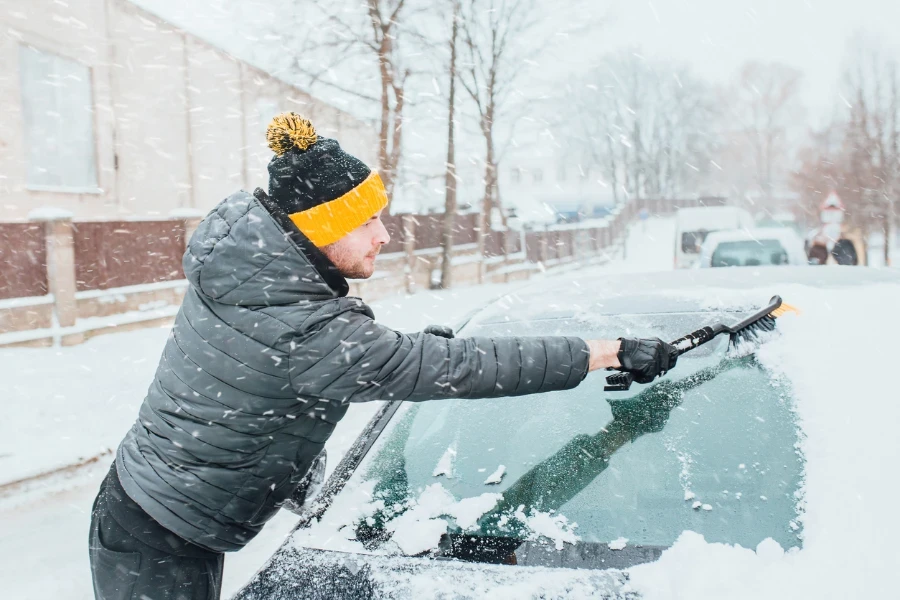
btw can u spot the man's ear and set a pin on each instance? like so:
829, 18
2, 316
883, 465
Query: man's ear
440, 330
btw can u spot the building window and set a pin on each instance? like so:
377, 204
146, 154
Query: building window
57, 105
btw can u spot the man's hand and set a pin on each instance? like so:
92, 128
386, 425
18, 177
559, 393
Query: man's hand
646, 358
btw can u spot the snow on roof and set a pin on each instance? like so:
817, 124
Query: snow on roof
598, 223
782, 234
710, 217
49, 213
784, 215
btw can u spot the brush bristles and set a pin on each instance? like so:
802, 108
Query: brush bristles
783, 310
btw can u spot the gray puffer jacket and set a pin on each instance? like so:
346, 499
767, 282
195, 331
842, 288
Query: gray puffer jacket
264, 357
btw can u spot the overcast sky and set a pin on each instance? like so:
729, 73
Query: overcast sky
716, 36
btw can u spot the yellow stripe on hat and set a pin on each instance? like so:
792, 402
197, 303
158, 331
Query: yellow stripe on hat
327, 223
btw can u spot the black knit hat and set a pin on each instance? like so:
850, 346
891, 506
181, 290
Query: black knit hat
326, 192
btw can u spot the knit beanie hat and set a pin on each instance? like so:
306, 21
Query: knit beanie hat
326, 192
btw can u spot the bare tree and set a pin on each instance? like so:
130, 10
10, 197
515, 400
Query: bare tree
822, 169
858, 154
329, 45
384, 15
647, 126
498, 38
764, 103
872, 145
450, 179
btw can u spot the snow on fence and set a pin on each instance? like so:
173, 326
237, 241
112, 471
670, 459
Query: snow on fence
59, 278
55, 271
428, 230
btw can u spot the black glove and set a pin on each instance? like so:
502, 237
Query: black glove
440, 330
646, 358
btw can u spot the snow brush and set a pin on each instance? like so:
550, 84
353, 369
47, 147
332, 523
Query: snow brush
750, 330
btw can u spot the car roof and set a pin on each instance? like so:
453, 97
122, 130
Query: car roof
781, 234
662, 292
707, 217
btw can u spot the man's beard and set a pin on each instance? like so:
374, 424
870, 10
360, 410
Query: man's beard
361, 269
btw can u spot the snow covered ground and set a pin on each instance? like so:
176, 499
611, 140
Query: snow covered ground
67, 404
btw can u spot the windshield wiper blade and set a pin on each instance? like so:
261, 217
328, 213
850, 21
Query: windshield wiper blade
515, 551
495, 550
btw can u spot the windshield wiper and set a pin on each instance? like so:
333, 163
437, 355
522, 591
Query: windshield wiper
514, 551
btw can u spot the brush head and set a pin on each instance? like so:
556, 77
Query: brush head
745, 340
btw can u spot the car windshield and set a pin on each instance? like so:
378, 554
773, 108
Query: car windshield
749, 253
691, 241
710, 448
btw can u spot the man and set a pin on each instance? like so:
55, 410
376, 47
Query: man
264, 358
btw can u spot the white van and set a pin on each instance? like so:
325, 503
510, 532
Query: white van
693, 224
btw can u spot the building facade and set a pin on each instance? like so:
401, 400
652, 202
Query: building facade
109, 111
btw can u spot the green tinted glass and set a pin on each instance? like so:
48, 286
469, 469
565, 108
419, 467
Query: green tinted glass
710, 448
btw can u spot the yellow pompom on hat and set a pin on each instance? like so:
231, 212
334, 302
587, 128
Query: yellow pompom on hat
326, 192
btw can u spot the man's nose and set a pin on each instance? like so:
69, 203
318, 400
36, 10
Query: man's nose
382, 237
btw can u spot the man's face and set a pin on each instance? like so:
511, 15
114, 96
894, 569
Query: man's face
354, 254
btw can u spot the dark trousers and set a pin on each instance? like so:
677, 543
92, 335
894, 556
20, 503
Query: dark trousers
134, 557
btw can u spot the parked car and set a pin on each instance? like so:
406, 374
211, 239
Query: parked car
555, 495
770, 246
692, 225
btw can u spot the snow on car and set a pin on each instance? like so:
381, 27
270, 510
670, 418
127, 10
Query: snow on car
764, 475
764, 246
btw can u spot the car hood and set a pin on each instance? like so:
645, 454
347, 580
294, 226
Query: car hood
298, 572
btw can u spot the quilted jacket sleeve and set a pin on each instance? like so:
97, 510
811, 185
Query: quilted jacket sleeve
342, 354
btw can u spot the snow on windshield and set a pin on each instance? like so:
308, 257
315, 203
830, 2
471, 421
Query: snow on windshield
586, 465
